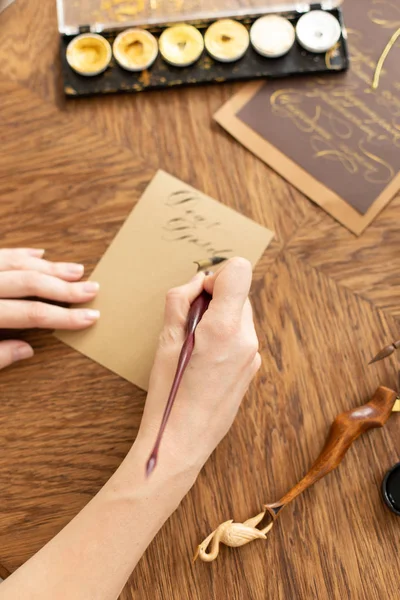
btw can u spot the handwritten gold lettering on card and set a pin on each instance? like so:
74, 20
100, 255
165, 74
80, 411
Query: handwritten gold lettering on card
172, 226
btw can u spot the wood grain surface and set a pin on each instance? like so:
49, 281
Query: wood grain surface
324, 301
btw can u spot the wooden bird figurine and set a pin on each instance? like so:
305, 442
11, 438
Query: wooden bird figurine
345, 429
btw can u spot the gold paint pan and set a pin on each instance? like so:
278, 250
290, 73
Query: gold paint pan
89, 54
181, 45
135, 49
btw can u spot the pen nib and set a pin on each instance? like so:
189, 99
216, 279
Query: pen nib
206, 263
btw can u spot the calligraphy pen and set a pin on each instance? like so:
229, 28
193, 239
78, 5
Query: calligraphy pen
196, 312
344, 430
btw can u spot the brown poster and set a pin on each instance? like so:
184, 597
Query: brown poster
171, 226
4, 4
333, 137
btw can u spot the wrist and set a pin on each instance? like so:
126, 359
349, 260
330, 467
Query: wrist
173, 468
164, 489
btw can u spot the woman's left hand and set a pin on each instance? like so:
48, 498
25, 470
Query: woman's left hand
23, 274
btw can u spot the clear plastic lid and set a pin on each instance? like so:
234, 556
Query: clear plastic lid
100, 15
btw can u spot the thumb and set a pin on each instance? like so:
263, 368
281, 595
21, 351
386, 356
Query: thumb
12, 351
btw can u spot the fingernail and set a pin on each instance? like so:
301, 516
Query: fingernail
198, 275
37, 252
22, 352
74, 269
90, 287
91, 315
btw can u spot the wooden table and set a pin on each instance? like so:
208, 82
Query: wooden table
324, 302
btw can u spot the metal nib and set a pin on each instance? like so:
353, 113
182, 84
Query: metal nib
385, 352
206, 263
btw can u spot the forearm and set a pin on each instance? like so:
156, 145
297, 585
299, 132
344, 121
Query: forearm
93, 556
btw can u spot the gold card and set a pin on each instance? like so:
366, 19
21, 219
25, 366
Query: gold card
172, 226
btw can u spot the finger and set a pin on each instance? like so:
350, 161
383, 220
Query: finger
230, 287
12, 351
20, 260
22, 314
178, 302
247, 313
248, 318
248, 331
38, 252
256, 365
20, 284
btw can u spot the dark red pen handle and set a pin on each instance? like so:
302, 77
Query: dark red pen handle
196, 312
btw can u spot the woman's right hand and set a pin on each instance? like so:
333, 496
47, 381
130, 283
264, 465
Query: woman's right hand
224, 362
130, 508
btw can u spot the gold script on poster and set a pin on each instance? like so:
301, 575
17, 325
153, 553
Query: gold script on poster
172, 226
4, 4
333, 137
